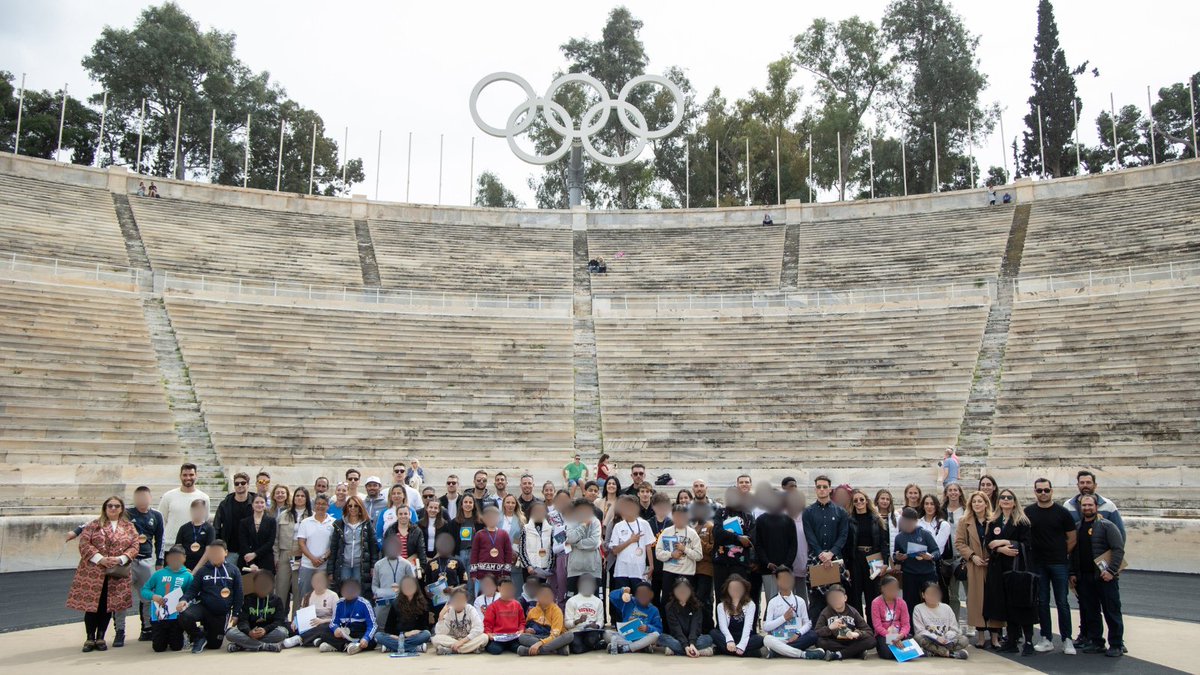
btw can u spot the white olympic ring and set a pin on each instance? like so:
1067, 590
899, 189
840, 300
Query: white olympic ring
559, 120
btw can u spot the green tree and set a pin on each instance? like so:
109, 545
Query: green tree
39, 123
850, 62
1173, 120
168, 62
491, 192
1054, 91
616, 58
941, 83
1132, 148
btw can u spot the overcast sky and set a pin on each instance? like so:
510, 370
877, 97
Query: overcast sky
405, 67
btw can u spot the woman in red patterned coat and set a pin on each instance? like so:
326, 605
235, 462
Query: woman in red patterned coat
107, 543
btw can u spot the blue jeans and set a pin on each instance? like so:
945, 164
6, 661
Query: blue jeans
703, 641
392, 643
1053, 576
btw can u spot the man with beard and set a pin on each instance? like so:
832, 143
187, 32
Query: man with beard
236, 507
1098, 582
176, 504
479, 490
700, 497
526, 499
501, 483
1086, 482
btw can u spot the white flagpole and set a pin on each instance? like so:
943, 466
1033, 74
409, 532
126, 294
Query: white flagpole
279, 157
441, 158
903, 166
778, 180
871, 162
810, 169
687, 174
1150, 114
970, 157
212, 137
717, 184
246, 161
20, 109
1041, 143
1192, 105
312, 159
177, 169
62, 117
471, 176
345, 154
841, 186
141, 129
104, 115
1112, 109
407, 171
748, 200
1079, 162
937, 174
379, 165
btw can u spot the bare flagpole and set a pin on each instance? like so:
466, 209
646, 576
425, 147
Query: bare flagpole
1112, 107
312, 158
141, 129
407, 170
212, 138
717, 183
748, 171
1041, 143
903, 166
1078, 161
246, 154
177, 169
1192, 105
1150, 113
687, 174
810, 169
1003, 148
104, 115
279, 157
441, 159
841, 185
937, 174
471, 176
345, 154
379, 164
970, 156
871, 162
778, 180
62, 117
20, 109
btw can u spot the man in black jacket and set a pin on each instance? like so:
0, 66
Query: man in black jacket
1095, 574
213, 596
262, 622
236, 507
774, 541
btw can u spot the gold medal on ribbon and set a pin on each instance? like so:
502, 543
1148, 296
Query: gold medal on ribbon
225, 593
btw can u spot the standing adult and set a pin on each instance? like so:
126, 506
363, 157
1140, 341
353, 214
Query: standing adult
352, 549
176, 504
262, 484
826, 530
500, 483
1085, 481
287, 551
232, 510
969, 541
1007, 539
465, 525
374, 502
954, 507
410, 538
948, 467
700, 497
1052, 538
637, 476
321, 487
527, 499
451, 499
256, 537
312, 538
794, 499
933, 520
479, 489
353, 483
775, 541
868, 536
150, 529
991, 489
101, 585
1098, 584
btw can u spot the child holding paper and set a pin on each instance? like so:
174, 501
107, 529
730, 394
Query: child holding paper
504, 620
309, 622
889, 617
678, 549
163, 590
789, 630
936, 625
640, 623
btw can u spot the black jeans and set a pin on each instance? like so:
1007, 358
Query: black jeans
211, 624
587, 641
704, 592
911, 585
96, 623
1100, 599
166, 634
863, 589
497, 648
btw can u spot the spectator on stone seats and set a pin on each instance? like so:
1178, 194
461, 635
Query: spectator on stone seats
153, 190
141, 191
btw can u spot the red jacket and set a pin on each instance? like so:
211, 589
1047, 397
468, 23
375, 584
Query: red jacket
504, 617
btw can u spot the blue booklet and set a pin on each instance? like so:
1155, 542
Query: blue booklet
437, 592
630, 630
906, 650
733, 525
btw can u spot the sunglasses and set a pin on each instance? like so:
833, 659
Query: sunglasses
353, 480
451, 483
263, 481
240, 483
1043, 491
1007, 498
860, 501
113, 506
639, 473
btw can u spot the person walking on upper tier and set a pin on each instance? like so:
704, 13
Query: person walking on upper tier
1086, 482
1052, 538
176, 504
1095, 574
101, 585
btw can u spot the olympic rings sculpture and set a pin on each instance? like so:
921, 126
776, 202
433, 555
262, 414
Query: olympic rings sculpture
561, 122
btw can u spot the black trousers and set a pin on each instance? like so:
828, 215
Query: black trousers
212, 625
863, 589
323, 634
704, 591
166, 634
96, 623
587, 641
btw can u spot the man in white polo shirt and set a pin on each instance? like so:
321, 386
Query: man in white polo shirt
312, 536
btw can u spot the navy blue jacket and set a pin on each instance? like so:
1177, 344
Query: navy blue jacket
208, 584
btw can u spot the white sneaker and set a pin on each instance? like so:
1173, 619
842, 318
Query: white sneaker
326, 647
1043, 645
1068, 647
354, 648
293, 641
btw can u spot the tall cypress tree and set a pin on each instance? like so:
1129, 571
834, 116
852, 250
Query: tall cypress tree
1054, 90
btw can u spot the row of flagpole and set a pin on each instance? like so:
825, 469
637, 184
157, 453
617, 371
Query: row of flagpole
687, 150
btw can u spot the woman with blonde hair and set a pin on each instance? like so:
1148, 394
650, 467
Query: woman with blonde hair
396, 497
352, 548
868, 536
102, 584
969, 543
287, 552
1007, 542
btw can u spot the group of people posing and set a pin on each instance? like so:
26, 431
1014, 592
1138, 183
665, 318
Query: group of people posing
595, 565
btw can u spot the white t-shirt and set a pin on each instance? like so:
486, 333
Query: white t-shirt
631, 562
176, 509
482, 601
316, 536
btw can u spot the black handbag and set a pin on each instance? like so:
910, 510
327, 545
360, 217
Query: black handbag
947, 565
1020, 584
960, 570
